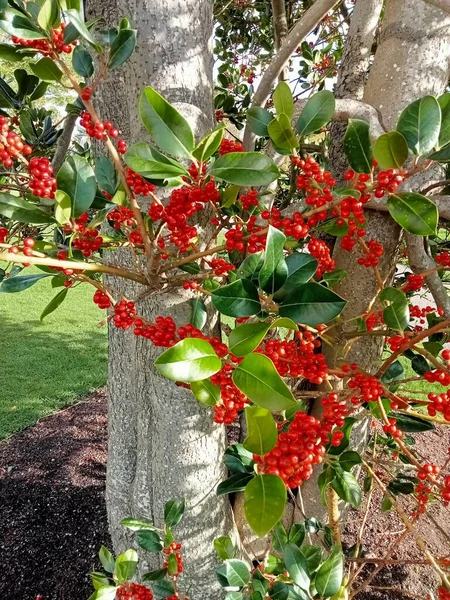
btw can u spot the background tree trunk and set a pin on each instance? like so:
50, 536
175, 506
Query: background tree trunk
163, 444
411, 61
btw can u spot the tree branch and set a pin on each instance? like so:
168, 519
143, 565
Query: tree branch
442, 4
280, 26
304, 25
64, 142
420, 261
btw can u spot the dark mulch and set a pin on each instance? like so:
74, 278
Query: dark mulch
52, 517
53, 520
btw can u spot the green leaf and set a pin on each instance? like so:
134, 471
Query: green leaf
329, 577
250, 266
245, 168
63, 207
224, 547
396, 315
46, 70
149, 540
54, 303
386, 503
296, 566
257, 378
49, 15
77, 23
15, 53
297, 534
258, 119
136, 524
349, 459
358, 147
19, 283
107, 560
154, 575
279, 537
281, 133
274, 270
18, 209
16, 23
126, 565
233, 573
420, 123
173, 512
238, 459
442, 155
414, 212
190, 360
76, 178
205, 392
391, 150
122, 48
238, 299
163, 588
245, 338
199, 314
420, 365
283, 100
82, 62
104, 593
105, 174
208, 145
167, 127
409, 423
346, 487
312, 304
346, 429
99, 580
262, 432
334, 277
265, 500
444, 132
301, 267
318, 111
150, 163
236, 483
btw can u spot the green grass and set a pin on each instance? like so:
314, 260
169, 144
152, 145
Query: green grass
45, 366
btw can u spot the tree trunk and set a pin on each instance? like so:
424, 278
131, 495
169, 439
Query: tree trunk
411, 61
163, 444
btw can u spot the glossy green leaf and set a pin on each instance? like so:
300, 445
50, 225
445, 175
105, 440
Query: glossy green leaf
49, 15
312, 304
346, 487
301, 267
16, 23
126, 565
12, 53
358, 147
245, 168
349, 459
250, 266
46, 70
54, 303
274, 270
414, 212
18, 209
265, 501
297, 534
233, 573
396, 315
238, 299
76, 178
442, 155
258, 119
205, 392
279, 537
318, 111
235, 483
106, 175
334, 277
167, 127
156, 575
99, 580
444, 132
150, 163
136, 524
391, 150
79, 25
283, 100
163, 588
63, 207
208, 145
149, 540
104, 593
420, 123
19, 283
329, 577
199, 314
107, 559
238, 459
410, 423
262, 432
313, 555
246, 338
122, 48
420, 365
224, 547
296, 566
190, 360
173, 512
82, 62
281, 133
257, 378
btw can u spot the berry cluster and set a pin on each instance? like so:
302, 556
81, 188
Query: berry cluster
333, 416
42, 184
367, 387
392, 429
296, 451
295, 227
374, 319
133, 591
99, 130
227, 146
88, 241
232, 400
445, 493
442, 377
249, 199
102, 300
443, 259
3, 233
161, 334
414, 283
124, 314
443, 594
138, 184
388, 182
321, 253
12, 144
422, 491
174, 549
221, 267
396, 342
45, 47
428, 471
122, 215
372, 255
439, 403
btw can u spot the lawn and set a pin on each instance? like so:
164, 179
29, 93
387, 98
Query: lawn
45, 366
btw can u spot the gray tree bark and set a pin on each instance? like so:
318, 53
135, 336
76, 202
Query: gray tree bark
163, 444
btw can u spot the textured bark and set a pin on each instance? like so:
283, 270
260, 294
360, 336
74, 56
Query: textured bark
162, 442
412, 60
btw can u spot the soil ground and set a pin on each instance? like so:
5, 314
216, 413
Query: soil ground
53, 519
